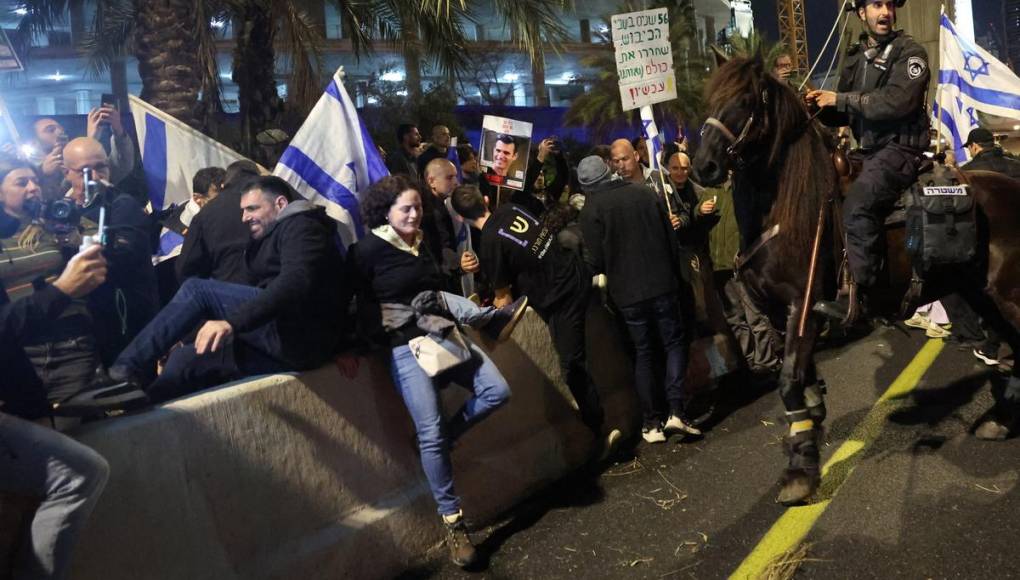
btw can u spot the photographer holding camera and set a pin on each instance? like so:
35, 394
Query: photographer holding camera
37, 463
91, 330
122, 306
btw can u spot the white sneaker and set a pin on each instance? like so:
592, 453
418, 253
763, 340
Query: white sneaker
677, 424
989, 358
918, 321
938, 331
653, 435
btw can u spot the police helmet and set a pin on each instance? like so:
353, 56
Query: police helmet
862, 3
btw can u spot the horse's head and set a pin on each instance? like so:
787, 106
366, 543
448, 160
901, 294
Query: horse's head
752, 113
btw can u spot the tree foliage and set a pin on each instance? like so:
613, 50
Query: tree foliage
390, 104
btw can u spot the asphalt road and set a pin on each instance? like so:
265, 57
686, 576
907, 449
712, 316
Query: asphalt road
913, 495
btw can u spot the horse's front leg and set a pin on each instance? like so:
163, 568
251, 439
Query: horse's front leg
802, 395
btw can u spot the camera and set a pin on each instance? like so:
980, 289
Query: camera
58, 216
62, 217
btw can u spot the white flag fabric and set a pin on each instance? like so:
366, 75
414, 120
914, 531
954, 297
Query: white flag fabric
172, 152
652, 139
332, 160
970, 80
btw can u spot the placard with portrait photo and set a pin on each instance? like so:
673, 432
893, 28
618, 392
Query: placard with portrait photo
505, 149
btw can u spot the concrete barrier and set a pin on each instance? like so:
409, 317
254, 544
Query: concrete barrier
317, 476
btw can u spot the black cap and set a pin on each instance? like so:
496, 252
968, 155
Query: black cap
980, 136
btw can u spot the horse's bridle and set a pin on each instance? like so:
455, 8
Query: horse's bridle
736, 141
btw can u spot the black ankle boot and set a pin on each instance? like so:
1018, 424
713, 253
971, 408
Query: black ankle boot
803, 472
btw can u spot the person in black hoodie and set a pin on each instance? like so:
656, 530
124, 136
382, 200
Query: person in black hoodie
286, 318
215, 242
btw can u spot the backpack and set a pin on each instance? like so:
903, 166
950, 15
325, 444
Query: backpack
941, 222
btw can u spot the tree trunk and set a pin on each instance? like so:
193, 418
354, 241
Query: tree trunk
538, 80
254, 72
412, 63
166, 60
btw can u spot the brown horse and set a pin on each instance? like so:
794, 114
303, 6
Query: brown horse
782, 164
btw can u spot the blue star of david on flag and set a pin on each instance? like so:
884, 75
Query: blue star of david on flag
973, 116
974, 64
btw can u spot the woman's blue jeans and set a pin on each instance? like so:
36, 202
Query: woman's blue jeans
436, 434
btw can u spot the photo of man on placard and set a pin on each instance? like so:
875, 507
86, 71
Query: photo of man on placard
504, 151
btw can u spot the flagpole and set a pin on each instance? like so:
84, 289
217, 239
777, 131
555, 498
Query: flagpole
662, 178
938, 119
938, 92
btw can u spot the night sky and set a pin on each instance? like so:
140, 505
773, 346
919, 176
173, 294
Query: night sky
819, 16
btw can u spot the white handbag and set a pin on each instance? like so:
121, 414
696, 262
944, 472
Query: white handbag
435, 356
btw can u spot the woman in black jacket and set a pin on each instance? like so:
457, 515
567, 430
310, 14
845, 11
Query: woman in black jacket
393, 267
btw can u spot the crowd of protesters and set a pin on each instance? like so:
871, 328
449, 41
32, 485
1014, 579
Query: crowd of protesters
262, 284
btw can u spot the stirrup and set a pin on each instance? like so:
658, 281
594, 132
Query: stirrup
845, 314
853, 311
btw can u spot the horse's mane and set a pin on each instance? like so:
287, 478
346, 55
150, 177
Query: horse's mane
792, 151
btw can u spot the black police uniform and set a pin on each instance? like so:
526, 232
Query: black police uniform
881, 97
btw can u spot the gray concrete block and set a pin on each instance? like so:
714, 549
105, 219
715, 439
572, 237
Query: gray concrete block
316, 475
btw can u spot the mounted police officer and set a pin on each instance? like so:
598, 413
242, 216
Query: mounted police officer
881, 97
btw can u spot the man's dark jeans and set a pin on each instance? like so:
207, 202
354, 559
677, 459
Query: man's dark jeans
661, 316
254, 352
566, 325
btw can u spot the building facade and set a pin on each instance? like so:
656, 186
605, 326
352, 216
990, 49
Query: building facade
56, 80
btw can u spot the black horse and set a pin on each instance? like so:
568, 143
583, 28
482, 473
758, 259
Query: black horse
782, 161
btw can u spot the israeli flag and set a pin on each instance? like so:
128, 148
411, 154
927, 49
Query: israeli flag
332, 159
970, 80
172, 152
652, 138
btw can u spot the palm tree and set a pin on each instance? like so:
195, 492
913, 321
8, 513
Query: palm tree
173, 40
426, 33
533, 24
261, 26
162, 35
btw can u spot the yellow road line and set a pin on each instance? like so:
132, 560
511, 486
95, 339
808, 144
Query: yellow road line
796, 522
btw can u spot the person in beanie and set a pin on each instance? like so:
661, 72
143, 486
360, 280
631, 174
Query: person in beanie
630, 240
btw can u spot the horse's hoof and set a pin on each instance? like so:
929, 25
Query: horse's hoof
798, 486
992, 430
